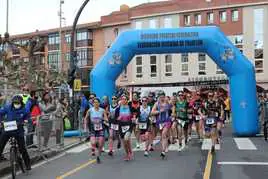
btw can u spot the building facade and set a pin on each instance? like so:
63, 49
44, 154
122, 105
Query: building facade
242, 21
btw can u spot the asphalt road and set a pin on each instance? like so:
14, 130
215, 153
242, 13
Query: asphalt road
243, 158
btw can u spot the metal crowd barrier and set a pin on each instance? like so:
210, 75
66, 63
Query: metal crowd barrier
47, 134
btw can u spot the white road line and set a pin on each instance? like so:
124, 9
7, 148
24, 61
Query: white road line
244, 144
242, 163
207, 143
79, 148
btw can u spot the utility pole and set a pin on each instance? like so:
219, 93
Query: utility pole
73, 62
6, 36
60, 36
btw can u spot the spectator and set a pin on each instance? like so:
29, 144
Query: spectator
59, 114
227, 109
2, 100
32, 106
47, 108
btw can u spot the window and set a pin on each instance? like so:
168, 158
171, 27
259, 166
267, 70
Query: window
152, 24
259, 64
53, 39
187, 19
125, 73
67, 57
202, 69
139, 67
184, 57
197, 19
235, 15
68, 38
116, 32
153, 66
219, 71
84, 57
210, 17
184, 70
168, 65
258, 39
201, 57
82, 35
168, 22
53, 60
223, 16
138, 25
184, 64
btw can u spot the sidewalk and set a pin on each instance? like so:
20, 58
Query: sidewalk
37, 156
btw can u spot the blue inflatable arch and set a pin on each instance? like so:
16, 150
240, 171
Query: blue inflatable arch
209, 40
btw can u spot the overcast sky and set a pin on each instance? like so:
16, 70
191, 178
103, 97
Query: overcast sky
29, 15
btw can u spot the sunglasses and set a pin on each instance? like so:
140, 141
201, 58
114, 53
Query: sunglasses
144, 100
113, 98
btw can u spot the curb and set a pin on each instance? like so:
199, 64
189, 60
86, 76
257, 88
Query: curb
36, 159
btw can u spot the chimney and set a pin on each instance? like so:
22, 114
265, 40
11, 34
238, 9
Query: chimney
124, 8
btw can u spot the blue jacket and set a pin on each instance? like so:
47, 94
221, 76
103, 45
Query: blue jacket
30, 103
11, 114
84, 104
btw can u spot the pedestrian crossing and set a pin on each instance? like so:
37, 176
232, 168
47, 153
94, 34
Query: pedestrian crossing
241, 144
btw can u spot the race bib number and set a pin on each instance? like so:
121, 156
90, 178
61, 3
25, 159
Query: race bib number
161, 126
97, 127
182, 123
115, 127
190, 116
125, 128
198, 118
210, 121
142, 125
10, 126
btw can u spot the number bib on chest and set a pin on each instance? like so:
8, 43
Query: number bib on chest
97, 127
125, 128
181, 122
210, 121
115, 127
142, 125
198, 118
10, 126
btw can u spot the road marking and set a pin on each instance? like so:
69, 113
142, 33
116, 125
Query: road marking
38, 164
207, 144
208, 166
76, 169
244, 144
79, 148
242, 163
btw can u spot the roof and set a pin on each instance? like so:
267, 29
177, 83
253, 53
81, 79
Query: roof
91, 25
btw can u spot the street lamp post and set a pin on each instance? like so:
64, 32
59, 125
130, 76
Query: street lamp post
73, 61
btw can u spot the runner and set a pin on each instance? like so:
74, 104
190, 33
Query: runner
190, 111
124, 115
197, 115
174, 130
96, 116
181, 116
163, 120
219, 115
135, 110
211, 111
153, 128
114, 126
143, 124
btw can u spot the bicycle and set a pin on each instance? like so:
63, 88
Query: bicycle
15, 157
